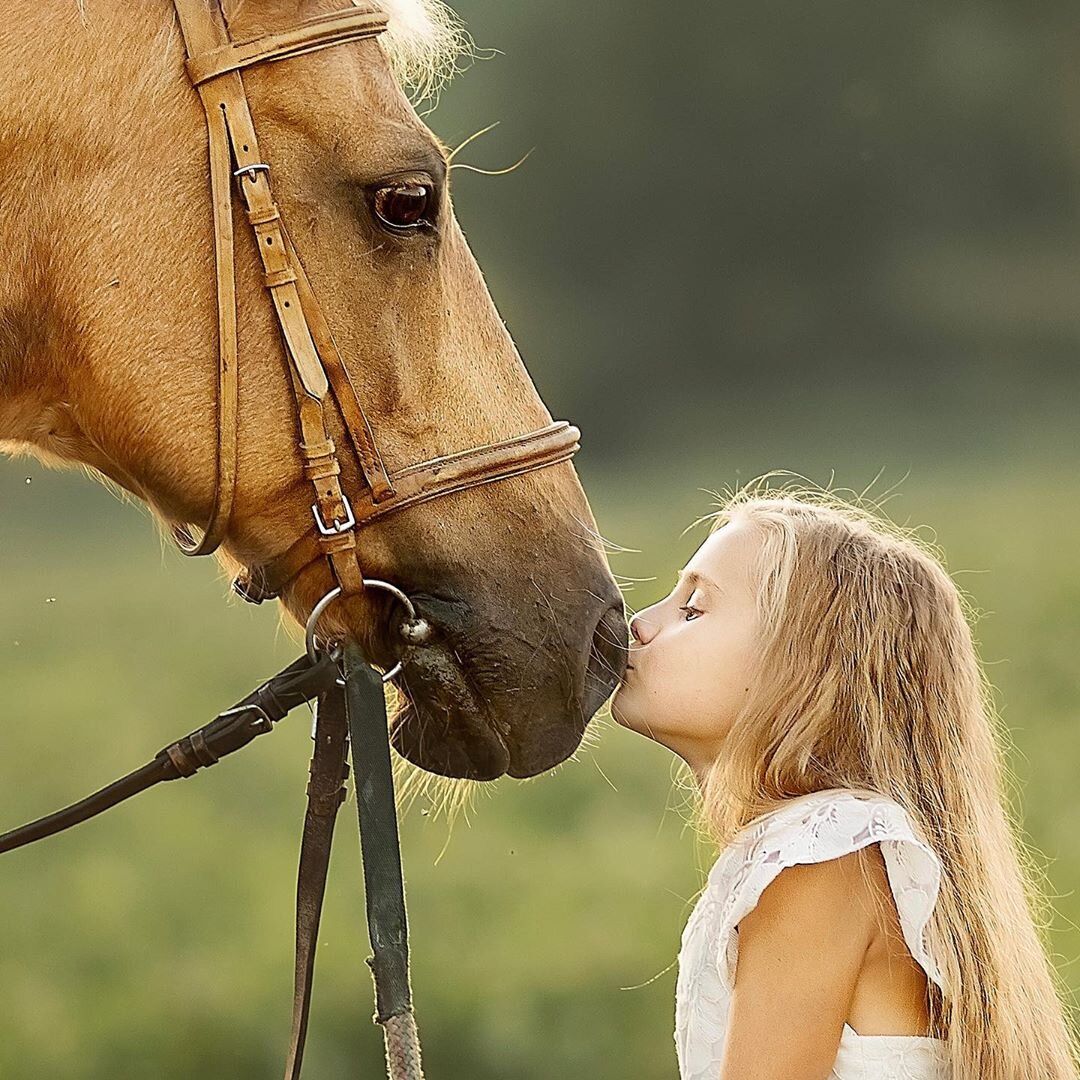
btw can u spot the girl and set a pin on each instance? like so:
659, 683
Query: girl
871, 915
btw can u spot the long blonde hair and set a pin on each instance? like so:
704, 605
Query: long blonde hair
869, 677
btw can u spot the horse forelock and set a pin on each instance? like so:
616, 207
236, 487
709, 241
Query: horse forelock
424, 40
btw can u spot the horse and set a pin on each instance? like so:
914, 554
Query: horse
109, 352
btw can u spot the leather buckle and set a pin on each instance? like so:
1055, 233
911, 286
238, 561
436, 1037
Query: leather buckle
248, 589
251, 171
335, 526
262, 722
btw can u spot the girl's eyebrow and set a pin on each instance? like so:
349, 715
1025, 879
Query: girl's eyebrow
695, 578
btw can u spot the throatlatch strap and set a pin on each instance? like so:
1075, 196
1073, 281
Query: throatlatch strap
197, 38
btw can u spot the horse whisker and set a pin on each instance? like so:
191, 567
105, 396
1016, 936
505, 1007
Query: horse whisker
493, 172
474, 135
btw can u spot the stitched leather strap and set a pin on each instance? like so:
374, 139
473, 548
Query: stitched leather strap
197, 37
384, 880
341, 386
223, 93
418, 483
333, 28
225, 734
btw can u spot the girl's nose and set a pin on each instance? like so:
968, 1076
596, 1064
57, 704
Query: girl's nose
640, 630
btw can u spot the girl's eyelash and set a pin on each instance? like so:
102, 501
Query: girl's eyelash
687, 608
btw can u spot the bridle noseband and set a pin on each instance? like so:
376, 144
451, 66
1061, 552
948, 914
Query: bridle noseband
316, 369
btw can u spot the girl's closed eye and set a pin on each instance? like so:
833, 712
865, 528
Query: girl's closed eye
690, 609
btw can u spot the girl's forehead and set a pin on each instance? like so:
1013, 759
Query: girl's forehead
725, 557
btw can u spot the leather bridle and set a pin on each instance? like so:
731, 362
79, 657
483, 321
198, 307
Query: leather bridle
316, 368
354, 710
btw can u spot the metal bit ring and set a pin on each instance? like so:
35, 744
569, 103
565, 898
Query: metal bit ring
332, 595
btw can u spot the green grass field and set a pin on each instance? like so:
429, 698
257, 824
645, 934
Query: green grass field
156, 941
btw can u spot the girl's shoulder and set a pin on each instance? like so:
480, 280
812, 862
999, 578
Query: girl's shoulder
812, 828
826, 825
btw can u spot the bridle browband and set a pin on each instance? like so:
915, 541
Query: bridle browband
316, 368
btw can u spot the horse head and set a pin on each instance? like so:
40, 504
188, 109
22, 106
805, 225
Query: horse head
109, 357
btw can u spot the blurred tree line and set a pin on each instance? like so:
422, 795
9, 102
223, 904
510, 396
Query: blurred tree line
846, 216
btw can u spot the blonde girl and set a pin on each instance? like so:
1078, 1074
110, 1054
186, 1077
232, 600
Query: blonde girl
872, 914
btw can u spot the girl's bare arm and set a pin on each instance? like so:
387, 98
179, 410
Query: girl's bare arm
800, 952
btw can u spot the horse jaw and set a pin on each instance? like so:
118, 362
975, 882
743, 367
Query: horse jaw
443, 725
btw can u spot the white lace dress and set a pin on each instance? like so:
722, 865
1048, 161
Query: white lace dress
808, 829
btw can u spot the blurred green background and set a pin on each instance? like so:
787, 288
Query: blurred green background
840, 239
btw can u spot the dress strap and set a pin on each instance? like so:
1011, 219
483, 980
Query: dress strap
817, 828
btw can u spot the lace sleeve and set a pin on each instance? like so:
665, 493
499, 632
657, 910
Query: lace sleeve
826, 829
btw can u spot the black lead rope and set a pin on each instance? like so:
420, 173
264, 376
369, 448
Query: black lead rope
226, 733
381, 850
356, 715
359, 707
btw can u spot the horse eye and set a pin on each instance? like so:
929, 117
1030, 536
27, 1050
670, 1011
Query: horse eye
403, 206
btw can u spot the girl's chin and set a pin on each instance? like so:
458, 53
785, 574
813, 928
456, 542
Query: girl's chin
617, 713
626, 718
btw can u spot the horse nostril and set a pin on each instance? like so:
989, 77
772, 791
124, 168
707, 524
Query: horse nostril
607, 658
